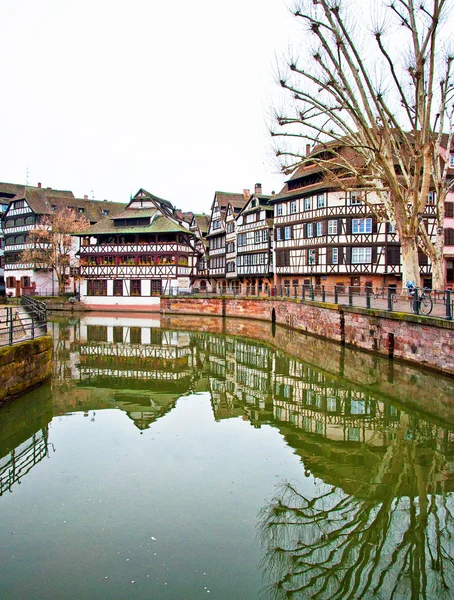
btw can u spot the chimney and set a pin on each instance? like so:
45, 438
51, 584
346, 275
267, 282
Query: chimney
85, 197
246, 194
308, 149
258, 189
39, 184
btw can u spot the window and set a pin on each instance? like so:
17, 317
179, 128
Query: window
19, 204
135, 335
287, 233
136, 288
391, 228
216, 224
307, 203
230, 267
355, 198
293, 207
310, 230
312, 256
242, 239
230, 227
231, 247
257, 237
332, 227
118, 288
81, 210
320, 200
449, 209
118, 335
361, 255
319, 228
334, 256
431, 197
278, 234
156, 286
265, 235
451, 160
283, 259
97, 287
10, 282
53, 207
105, 212
361, 225
449, 237
279, 210
26, 282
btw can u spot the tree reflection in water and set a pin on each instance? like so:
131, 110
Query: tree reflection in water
389, 540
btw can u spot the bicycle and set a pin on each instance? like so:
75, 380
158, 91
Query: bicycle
423, 304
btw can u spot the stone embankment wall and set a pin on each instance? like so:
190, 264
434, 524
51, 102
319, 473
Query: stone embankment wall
424, 341
24, 365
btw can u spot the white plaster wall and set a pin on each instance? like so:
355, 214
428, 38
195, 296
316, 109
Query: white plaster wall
122, 302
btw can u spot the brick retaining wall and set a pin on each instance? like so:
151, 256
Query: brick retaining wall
425, 341
24, 365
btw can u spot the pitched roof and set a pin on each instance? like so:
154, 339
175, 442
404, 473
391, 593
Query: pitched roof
46, 201
142, 193
161, 224
202, 222
225, 198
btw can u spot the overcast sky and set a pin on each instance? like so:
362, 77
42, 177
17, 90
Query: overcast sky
103, 97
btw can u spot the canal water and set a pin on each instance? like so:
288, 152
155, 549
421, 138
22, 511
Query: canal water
191, 458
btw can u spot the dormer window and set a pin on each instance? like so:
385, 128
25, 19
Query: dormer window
105, 212
81, 210
53, 207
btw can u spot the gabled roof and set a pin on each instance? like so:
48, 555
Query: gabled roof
161, 224
202, 222
142, 193
45, 201
225, 198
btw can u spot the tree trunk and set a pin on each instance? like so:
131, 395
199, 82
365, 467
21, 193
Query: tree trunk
436, 257
438, 274
410, 263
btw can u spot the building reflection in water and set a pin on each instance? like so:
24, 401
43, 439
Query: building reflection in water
24, 436
381, 519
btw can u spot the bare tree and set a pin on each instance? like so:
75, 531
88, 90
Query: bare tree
53, 243
391, 105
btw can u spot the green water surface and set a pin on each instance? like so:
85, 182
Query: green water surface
227, 460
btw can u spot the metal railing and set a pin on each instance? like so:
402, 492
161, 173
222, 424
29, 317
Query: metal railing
19, 323
425, 302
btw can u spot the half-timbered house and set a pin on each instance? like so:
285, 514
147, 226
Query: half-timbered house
199, 227
216, 236
25, 211
449, 240
254, 239
324, 235
129, 259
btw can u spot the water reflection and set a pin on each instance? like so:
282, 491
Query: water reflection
378, 520
24, 434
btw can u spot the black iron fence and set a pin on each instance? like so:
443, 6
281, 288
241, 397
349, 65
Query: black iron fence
19, 323
421, 301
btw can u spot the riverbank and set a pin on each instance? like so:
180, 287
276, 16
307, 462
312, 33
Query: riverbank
423, 341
